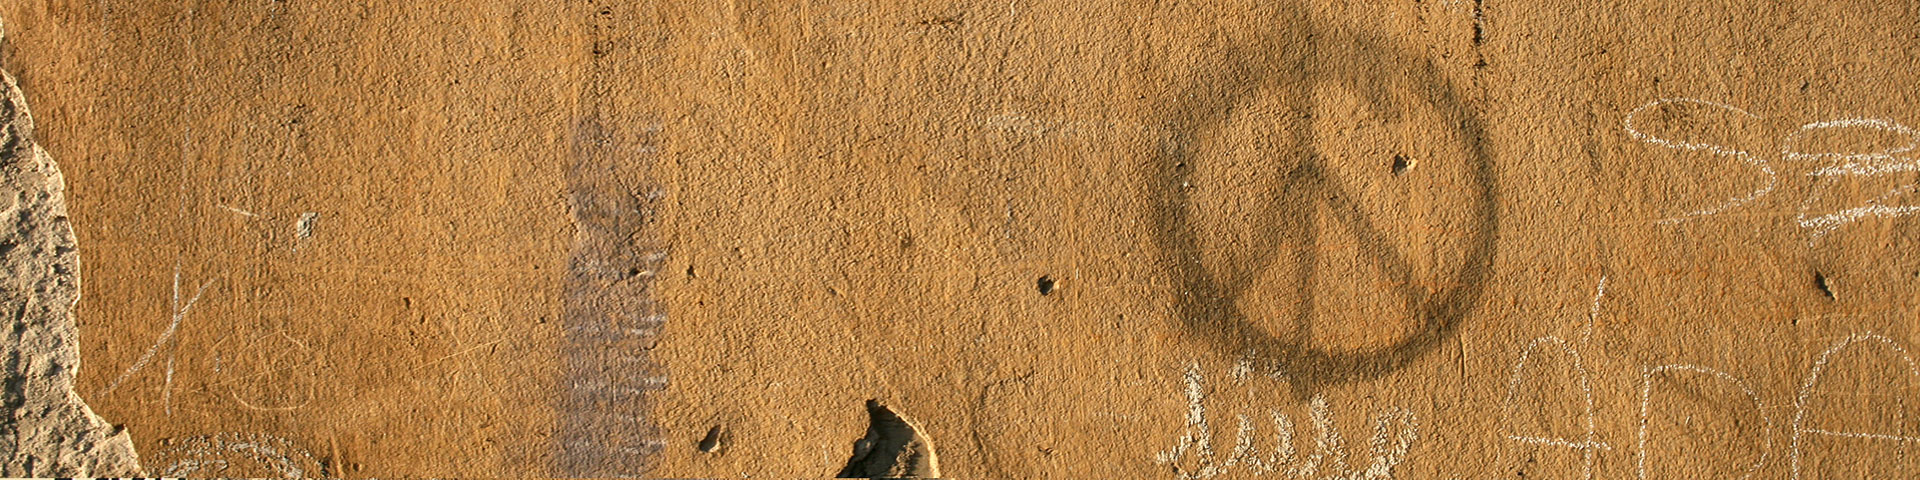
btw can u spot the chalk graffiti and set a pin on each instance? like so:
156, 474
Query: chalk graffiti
1394, 432
276, 372
236, 455
1800, 427
1827, 168
1646, 412
1587, 444
1741, 406
179, 313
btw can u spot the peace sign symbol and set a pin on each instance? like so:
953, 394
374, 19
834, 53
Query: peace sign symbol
1257, 177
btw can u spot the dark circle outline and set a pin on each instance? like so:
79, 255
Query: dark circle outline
1200, 308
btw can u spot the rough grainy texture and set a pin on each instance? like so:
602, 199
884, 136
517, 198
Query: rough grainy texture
893, 448
1298, 239
48, 431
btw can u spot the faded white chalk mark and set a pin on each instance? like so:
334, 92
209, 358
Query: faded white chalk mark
1593, 312
1824, 224
218, 454
1240, 370
166, 391
1742, 155
1874, 163
1395, 431
1799, 426
1646, 412
179, 313
1588, 446
236, 210
1679, 145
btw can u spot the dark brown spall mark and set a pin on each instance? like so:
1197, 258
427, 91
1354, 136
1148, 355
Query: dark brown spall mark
1287, 64
1820, 282
892, 448
711, 442
1400, 165
1045, 285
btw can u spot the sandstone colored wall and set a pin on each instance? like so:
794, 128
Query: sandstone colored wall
50, 431
1326, 239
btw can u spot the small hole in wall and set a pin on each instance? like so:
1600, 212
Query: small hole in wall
711, 443
1400, 164
1045, 284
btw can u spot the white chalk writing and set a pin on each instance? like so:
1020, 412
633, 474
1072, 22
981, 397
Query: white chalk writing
1829, 167
1394, 432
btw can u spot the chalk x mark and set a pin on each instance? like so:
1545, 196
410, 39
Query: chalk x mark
179, 313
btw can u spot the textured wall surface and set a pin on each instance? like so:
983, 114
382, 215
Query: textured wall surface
49, 431
1110, 239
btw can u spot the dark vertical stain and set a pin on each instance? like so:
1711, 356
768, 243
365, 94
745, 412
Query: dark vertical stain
1479, 36
1479, 23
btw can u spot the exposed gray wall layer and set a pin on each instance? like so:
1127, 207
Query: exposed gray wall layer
48, 430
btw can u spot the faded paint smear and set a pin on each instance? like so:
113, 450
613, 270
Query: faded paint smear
610, 317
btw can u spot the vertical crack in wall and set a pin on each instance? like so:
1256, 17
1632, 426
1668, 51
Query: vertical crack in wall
49, 431
610, 317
